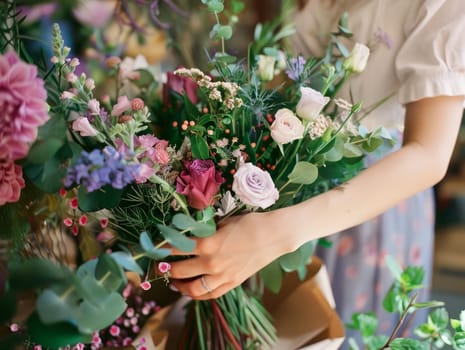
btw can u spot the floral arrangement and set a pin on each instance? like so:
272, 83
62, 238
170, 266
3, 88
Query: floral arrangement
151, 164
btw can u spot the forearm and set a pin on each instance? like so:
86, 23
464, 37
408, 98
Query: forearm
372, 192
419, 164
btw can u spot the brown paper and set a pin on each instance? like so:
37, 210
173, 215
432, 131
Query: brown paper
303, 312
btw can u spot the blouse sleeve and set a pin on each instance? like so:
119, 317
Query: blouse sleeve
431, 61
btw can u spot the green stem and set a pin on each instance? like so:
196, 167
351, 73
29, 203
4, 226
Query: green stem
199, 326
67, 292
168, 188
399, 323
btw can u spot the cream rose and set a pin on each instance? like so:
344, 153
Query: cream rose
254, 186
310, 104
358, 58
265, 68
286, 127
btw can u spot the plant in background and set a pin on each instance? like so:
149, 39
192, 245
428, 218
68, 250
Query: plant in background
437, 332
161, 169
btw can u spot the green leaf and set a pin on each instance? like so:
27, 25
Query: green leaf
35, 273
303, 173
105, 198
176, 238
127, 261
459, 340
389, 301
150, 250
92, 318
146, 241
199, 147
46, 176
440, 318
224, 32
110, 273
43, 150
368, 324
272, 276
8, 306
237, 6
352, 151
394, 267
215, 6
428, 304
291, 261
55, 335
199, 229
53, 308
407, 344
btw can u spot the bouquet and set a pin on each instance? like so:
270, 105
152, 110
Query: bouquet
147, 168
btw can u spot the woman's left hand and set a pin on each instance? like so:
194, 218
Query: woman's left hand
242, 246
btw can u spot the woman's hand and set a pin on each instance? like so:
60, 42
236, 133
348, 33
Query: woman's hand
242, 246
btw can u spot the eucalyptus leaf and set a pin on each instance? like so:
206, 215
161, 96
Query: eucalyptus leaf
291, 261
54, 335
35, 273
146, 242
109, 273
186, 223
53, 308
351, 151
176, 238
303, 173
272, 276
127, 261
92, 318
224, 32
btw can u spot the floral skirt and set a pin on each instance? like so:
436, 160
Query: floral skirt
356, 265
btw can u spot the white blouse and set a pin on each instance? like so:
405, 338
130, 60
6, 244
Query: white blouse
417, 49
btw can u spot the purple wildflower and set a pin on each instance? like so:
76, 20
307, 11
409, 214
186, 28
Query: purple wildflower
99, 168
295, 67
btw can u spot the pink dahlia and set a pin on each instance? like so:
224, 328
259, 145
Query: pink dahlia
11, 182
23, 105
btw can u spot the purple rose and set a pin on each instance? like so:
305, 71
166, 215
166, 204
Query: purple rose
254, 186
199, 182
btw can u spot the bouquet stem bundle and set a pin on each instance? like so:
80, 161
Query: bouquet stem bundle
234, 321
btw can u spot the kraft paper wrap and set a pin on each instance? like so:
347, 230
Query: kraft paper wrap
303, 312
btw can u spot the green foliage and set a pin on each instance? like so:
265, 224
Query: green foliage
401, 299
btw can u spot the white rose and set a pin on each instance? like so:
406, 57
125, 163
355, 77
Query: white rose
286, 127
310, 104
254, 186
265, 68
358, 58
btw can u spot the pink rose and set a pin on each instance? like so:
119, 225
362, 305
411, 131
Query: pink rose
254, 186
199, 182
11, 182
84, 128
180, 85
121, 106
286, 127
310, 104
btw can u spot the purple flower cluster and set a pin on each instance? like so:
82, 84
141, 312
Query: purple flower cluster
295, 67
99, 168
